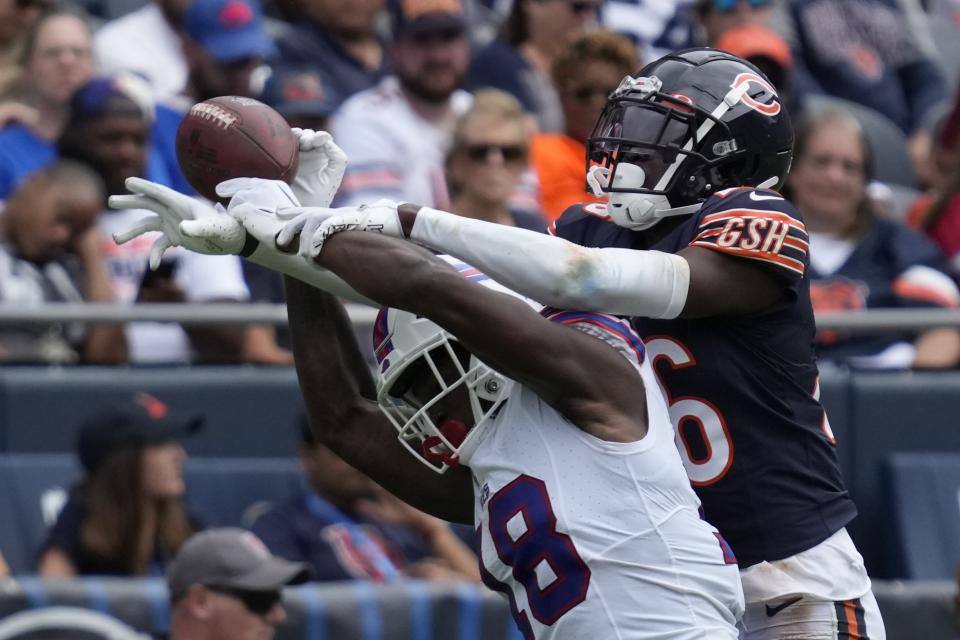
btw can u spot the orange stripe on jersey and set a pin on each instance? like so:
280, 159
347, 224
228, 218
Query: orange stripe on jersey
906, 289
796, 243
766, 256
850, 613
731, 191
709, 233
752, 213
552, 228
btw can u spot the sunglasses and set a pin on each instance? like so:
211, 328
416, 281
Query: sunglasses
587, 93
730, 5
509, 152
257, 602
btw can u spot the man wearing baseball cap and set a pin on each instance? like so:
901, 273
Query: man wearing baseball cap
224, 583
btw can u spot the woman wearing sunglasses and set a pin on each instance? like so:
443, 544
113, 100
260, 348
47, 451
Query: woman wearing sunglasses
487, 161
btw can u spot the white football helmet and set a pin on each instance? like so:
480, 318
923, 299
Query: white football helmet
408, 347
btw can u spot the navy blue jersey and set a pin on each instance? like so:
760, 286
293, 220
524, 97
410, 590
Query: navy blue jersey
743, 391
890, 267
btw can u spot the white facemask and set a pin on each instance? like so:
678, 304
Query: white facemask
636, 211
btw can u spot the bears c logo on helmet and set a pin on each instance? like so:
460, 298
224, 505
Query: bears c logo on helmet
770, 108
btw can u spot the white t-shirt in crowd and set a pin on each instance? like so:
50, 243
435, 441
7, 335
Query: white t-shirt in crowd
143, 42
202, 278
394, 152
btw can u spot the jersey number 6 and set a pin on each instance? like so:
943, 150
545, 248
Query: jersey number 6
701, 432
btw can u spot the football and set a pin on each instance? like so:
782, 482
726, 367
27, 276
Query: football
234, 137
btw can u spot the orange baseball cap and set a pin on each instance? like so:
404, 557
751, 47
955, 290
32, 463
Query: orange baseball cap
755, 40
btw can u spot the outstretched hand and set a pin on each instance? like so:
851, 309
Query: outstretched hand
223, 234
321, 168
315, 225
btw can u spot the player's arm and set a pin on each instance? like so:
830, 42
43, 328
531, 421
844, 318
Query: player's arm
587, 381
696, 282
337, 386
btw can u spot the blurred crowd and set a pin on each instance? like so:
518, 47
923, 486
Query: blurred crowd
480, 107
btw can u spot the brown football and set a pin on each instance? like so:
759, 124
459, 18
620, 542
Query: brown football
234, 137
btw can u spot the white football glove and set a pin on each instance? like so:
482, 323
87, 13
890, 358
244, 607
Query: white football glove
321, 168
315, 225
256, 208
224, 236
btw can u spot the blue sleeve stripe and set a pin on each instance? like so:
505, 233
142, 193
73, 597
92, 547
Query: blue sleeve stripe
604, 321
34, 591
314, 616
471, 619
97, 595
159, 600
421, 610
371, 625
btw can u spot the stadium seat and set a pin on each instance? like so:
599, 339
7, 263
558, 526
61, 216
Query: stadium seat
891, 157
946, 38
923, 490
250, 411
894, 412
33, 491
231, 492
220, 492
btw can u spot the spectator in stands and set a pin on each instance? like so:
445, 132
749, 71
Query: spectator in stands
395, 134
719, 16
337, 38
485, 163
656, 26
17, 18
859, 261
936, 213
307, 102
126, 515
346, 527
520, 60
770, 53
109, 129
51, 252
585, 72
57, 61
224, 43
224, 584
146, 42
872, 52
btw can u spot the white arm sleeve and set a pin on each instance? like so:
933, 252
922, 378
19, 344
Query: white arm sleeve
559, 273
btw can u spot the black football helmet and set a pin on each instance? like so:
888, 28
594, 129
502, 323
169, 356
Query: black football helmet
689, 124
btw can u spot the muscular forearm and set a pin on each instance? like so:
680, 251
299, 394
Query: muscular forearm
391, 272
333, 376
557, 272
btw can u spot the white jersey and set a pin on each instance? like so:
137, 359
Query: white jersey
394, 152
595, 539
200, 277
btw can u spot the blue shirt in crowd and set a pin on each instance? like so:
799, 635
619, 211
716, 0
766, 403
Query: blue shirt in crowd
310, 529
22, 152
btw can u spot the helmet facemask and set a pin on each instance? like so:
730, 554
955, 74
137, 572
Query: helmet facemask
413, 392
649, 152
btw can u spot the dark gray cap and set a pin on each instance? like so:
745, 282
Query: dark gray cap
230, 558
